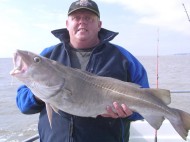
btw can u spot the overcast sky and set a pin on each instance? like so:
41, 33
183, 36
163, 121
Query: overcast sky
27, 24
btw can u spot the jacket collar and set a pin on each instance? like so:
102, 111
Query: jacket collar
104, 35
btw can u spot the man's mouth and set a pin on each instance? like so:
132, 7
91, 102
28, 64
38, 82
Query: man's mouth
82, 30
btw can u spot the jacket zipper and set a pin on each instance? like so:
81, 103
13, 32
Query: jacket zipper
71, 130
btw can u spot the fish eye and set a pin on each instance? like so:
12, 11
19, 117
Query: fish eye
37, 59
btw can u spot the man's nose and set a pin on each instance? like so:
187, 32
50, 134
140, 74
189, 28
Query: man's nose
84, 19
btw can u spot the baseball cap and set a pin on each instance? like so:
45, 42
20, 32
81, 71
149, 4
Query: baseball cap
84, 4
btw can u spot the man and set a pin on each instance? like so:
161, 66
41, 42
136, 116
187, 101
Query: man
85, 45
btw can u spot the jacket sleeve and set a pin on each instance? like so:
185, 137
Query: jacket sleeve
25, 99
138, 75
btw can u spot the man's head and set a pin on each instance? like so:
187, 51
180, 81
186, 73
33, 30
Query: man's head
84, 4
83, 24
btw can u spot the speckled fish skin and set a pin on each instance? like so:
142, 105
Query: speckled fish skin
84, 94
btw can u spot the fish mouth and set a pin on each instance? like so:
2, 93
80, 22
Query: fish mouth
19, 65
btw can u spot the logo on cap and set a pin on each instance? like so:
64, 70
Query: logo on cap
83, 3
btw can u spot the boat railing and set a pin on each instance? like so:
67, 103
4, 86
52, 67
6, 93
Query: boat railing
178, 91
32, 139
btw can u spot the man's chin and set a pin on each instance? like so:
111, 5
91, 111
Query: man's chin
83, 38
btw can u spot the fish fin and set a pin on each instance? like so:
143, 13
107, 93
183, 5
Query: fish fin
115, 84
109, 81
162, 94
181, 125
122, 83
43, 90
154, 121
55, 109
49, 113
133, 84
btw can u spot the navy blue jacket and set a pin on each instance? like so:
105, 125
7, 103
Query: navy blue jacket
106, 60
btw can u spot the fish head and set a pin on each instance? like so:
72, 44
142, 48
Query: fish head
36, 72
26, 65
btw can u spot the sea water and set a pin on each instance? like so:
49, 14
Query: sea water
173, 74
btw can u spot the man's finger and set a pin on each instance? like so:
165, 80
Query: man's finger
119, 110
127, 111
111, 112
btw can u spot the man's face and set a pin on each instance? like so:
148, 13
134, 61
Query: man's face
83, 25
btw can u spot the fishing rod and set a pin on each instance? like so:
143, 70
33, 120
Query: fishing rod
157, 77
157, 59
157, 74
185, 11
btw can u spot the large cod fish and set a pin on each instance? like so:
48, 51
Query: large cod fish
84, 94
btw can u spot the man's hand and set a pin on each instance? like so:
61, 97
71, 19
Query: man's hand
121, 111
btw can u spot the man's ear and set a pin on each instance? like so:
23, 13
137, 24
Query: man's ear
67, 24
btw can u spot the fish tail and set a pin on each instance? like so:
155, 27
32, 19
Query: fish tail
182, 125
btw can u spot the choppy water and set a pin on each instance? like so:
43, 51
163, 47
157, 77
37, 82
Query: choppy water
14, 126
174, 74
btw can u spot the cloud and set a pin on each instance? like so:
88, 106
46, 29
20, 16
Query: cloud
168, 14
10, 31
